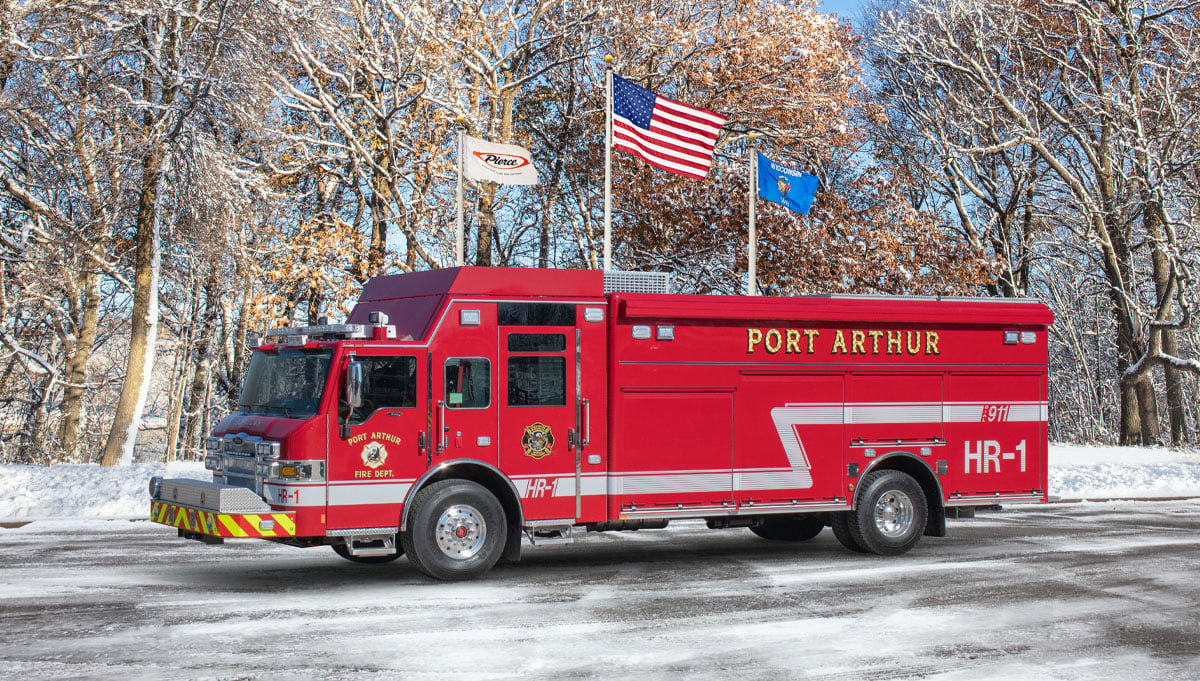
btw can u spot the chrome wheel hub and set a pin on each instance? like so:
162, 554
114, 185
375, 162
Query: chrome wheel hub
461, 531
894, 514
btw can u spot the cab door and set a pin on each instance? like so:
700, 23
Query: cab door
463, 364
539, 437
378, 449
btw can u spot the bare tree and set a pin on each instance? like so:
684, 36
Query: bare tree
1082, 87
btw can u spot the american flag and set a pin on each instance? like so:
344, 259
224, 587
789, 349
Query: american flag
663, 132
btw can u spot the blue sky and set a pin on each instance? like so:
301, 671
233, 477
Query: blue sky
847, 9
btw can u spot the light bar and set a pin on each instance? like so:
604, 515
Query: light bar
349, 331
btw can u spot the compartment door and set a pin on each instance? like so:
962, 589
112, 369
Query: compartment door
789, 446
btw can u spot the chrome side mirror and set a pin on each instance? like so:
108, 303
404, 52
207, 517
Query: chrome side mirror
354, 383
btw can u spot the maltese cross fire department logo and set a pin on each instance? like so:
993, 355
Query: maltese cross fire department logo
537, 440
374, 454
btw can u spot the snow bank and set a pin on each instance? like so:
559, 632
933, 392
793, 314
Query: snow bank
75, 491
1079, 472
1076, 472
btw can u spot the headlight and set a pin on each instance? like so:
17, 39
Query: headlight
266, 450
155, 486
212, 444
213, 462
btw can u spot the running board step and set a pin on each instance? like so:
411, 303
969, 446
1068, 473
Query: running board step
371, 546
542, 533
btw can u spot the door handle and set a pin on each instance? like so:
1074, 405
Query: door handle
421, 442
570, 439
444, 437
585, 435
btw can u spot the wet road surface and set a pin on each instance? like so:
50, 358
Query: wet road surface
1066, 591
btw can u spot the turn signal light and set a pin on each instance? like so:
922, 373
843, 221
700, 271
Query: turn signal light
291, 471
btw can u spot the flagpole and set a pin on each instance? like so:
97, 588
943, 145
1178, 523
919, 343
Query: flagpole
752, 257
458, 219
608, 116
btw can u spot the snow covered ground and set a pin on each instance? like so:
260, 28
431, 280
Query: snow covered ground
1076, 472
1054, 592
1064, 592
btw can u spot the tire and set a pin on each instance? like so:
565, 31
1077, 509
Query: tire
456, 530
890, 517
344, 551
790, 528
840, 522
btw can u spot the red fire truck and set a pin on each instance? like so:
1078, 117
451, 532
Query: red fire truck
459, 412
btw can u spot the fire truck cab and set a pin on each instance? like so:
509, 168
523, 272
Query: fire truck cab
460, 412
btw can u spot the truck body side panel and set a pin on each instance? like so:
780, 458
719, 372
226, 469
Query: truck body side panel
794, 405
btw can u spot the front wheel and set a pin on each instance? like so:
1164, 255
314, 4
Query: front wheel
890, 517
456, 530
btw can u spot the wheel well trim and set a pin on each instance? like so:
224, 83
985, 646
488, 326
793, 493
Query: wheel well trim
901, 454
442, 468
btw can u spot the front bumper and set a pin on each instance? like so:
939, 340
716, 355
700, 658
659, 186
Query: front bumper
224, 511
224, 525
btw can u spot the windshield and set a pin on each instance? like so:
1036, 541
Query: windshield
285, 382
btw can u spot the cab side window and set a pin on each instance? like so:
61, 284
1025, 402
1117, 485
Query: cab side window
388, 383
468, 383
537, 380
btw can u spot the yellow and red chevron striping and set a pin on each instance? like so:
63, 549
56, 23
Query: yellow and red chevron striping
231, 525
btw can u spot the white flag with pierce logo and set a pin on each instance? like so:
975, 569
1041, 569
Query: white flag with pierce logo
502, 163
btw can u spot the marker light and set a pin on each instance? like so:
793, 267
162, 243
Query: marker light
291, 471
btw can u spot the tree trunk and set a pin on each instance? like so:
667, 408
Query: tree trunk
1131, 415
33, 448
1148, 405
485, 223
240, 340
75, 371
548, 210
179, 375
1176, 412
197, 402
175, 403
380, 210
1165, 292
118, 449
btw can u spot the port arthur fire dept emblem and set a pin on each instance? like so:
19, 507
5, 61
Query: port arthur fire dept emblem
538, 440
374, 454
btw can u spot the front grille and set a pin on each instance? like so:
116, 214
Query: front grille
241, 445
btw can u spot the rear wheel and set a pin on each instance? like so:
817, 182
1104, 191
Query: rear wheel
456, 530
890, 517
344, 551
790, 528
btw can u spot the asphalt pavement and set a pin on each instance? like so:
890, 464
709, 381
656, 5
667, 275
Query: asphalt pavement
1061, 591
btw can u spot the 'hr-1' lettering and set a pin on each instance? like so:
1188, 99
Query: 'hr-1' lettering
987, 456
